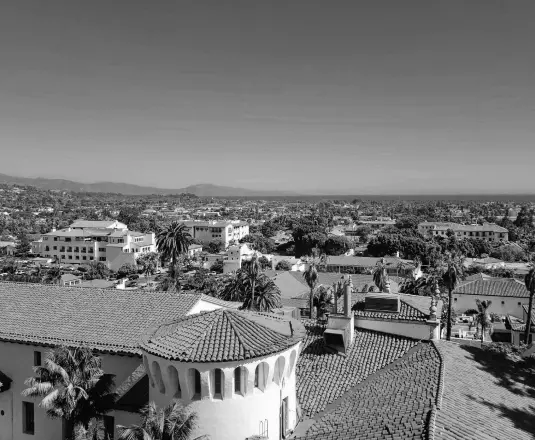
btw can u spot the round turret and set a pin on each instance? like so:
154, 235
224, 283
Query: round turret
235, 368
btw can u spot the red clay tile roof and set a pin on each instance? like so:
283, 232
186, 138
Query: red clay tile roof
222, 336
323, 377
412, 308
106, 320
484, 398
221, 302
393, 403
494, 287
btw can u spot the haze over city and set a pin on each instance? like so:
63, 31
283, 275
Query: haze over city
306, 96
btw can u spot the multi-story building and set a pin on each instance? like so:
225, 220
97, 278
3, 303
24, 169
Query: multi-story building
487, 231
109, 242
225, 231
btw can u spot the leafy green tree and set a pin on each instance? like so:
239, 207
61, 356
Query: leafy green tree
283, 265
259, 243
217, 266
73, 387
337, 245
127, 269
173, 241
97, 271
264, 262
149, 263
174, 422
524, 218
214, 247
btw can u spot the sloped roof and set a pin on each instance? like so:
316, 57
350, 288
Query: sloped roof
509, 287
221, 302
343, 260
222, 336
393, 403
94, 223
412, 308
324, 376
486, 396
288, 285
104, 319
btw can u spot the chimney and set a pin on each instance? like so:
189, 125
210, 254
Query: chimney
347, 297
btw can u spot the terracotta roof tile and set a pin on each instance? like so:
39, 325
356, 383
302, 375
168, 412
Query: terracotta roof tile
393, 403
323, 377
494, 287
222, 336
106, 320
483, 397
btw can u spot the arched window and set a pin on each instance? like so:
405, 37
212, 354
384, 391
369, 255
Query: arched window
279, 370
292, 363
174, 381
195, 383
147, 370
218, 382
260, 376
158, 376
240, 380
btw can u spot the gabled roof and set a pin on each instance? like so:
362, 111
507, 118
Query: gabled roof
222, 335
412, 308
220, 302
509, 287
104, 319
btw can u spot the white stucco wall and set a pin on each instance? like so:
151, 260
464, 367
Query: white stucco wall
203, 306
234, 416
16, 361
462, 303
415, 330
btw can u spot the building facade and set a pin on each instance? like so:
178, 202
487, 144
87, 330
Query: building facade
224, 231
487, 231
107, 242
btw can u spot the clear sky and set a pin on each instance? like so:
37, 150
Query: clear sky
316, 96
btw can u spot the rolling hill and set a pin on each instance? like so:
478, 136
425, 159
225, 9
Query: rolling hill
201, 190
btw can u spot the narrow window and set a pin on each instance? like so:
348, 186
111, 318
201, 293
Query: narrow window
28, 421
218, 379
197, 382
109, 427
36, 358
237, 380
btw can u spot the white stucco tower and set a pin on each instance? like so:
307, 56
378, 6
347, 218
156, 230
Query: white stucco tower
235, 369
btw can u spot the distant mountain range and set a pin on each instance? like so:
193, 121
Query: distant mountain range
201, 190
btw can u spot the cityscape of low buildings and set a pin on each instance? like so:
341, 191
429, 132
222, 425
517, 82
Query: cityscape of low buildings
487, 231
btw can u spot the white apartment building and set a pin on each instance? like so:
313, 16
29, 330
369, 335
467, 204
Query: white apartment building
487, 231
225, 231
109, 242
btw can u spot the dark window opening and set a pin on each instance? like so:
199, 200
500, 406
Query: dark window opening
28, 420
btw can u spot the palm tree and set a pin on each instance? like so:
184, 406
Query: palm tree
255, 289
173, 241
250, 271
267, 297
453, 272
323, 299
529, 281
53, 276
483, 317
311, 278
73, 387
380, 276
173, 422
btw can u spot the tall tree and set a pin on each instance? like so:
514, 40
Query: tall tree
173, 241
529, 281
380, 275
173, 422
311, 278
483, 317
73, 387
453, 273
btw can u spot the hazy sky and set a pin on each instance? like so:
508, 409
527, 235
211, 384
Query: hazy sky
318, 96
